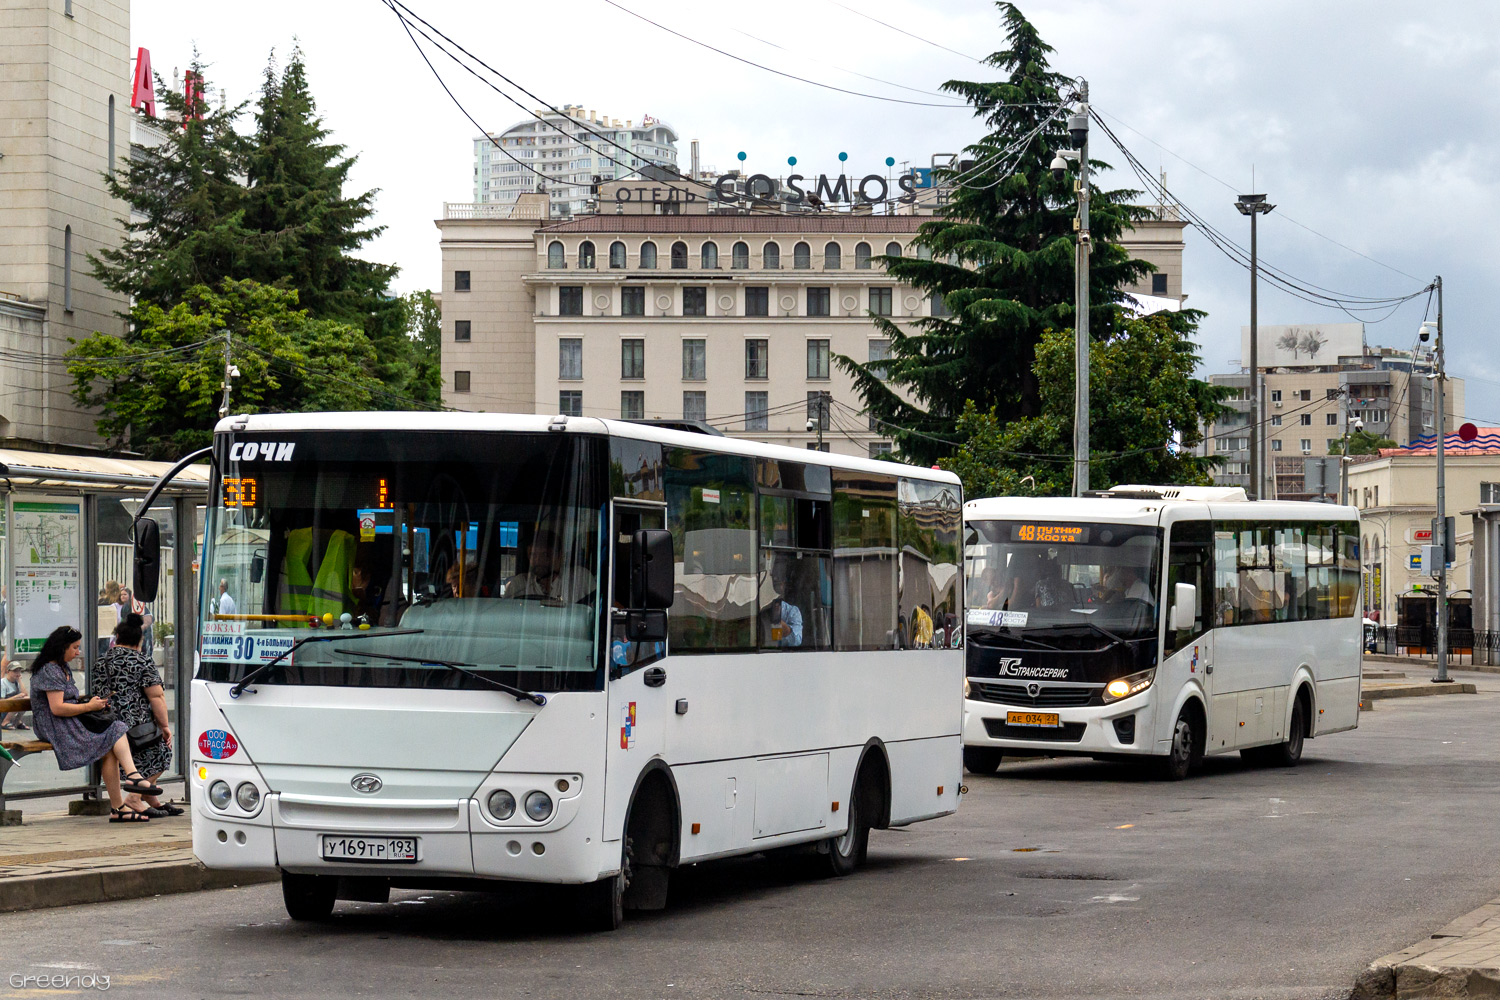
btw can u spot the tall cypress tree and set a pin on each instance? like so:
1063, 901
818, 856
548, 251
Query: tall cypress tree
296, 190
1002, 259
186, 198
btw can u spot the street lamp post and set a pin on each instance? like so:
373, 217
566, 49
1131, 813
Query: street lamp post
1254, 205
1359, 425
1440, 527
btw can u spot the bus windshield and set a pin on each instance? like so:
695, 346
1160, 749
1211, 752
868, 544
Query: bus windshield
1062, 578
483, 550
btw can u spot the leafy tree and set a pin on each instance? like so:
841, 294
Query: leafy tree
424, 327
1001, 258
296, 179
186, 224
1142, 397
1362, 443
160, 392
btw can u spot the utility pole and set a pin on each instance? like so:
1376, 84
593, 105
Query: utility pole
1440, 534
230, 371
1254, 205
1078, 131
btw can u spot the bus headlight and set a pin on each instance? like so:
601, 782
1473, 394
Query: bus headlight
1127, 686
539, 806
218, 794
966, 687
248, 796
502, 804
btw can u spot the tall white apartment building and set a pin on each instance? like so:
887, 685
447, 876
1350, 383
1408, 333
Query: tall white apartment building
563, 153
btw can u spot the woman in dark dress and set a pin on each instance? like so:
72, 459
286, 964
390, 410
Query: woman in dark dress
55, 712
127, 674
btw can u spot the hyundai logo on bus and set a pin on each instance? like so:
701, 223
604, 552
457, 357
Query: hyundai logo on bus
367, 783
1010, 666
270, 451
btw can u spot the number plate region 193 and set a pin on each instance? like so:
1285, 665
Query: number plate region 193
368, 849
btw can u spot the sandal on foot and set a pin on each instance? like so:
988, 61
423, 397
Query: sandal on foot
138, 785
172, 810
156, 812
123, 815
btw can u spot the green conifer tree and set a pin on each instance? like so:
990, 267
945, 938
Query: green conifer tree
296, 187
1000, 260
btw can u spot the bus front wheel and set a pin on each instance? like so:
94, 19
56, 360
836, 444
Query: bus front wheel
1187, 747
982, 760
309, 897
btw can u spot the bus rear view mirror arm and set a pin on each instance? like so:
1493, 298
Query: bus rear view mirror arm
1184, 606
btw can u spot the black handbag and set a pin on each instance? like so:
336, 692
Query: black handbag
97, 721
145, 735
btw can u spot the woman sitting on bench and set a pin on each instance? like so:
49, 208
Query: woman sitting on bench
55, 711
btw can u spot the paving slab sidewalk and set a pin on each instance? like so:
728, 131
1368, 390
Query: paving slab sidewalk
59, 860
1458, 962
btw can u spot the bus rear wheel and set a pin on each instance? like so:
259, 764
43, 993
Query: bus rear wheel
982, 760
309, 897
1285, 754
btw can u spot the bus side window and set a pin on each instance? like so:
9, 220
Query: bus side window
1189, 560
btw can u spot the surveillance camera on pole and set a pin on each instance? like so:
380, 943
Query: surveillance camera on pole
1060, 163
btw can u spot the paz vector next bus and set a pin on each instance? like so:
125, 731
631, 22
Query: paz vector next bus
1159, 622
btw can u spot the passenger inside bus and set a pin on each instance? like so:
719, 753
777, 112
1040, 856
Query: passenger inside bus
548, 575
784, 619
1122, 582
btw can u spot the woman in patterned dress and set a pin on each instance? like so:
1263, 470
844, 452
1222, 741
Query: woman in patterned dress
55, 711
135, 693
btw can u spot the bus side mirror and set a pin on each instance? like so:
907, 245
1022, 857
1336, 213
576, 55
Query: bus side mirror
257, 567
147, 559
651, 569
1184, 606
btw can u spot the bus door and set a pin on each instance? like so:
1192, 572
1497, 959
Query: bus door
1188, 653
640, 702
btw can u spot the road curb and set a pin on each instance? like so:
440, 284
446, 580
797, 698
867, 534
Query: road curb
1422, 690
37, 892
1430, 664
1405, 975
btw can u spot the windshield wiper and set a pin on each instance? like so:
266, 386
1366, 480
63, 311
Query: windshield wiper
1114, 640
249, 678
1010, 634
520, 694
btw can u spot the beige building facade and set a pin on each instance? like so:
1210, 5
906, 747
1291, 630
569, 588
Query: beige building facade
702, 312
1396, 494
64, 121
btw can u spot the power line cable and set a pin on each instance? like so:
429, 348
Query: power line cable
908, 34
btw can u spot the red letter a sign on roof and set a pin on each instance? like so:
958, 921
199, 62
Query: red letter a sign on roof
143, 92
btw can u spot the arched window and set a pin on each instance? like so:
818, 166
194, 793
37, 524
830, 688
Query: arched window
739, 256
770, 256
555, 256
586, 255
617, 254
832, 257
679, 255
648, 256
924, 252
893, 249
861, 256
801, 256
710, 256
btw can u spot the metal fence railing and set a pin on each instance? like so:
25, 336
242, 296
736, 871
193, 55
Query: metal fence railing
1465, 645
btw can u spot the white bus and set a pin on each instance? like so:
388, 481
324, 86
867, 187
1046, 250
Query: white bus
477, 648
1158, 621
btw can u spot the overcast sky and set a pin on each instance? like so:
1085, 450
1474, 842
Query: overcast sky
1372, 123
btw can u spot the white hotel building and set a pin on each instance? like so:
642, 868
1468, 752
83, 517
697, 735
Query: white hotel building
568, 151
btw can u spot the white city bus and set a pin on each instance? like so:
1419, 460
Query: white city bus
473, 648
1158, 621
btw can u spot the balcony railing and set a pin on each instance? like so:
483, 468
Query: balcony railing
491, 210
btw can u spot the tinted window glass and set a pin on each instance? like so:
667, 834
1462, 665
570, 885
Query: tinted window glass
711, 514
928, 530
864, 561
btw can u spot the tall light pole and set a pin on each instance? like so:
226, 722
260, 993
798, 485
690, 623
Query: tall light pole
1254, 205
1078, 132
1359, 425
1440, 529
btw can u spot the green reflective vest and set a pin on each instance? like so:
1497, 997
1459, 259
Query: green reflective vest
330, 591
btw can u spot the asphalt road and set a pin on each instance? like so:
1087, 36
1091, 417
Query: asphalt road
1055, 879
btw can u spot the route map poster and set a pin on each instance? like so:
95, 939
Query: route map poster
46, 569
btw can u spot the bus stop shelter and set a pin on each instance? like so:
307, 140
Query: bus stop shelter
66, 545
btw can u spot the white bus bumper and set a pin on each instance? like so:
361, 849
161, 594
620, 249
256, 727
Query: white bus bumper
1122, 727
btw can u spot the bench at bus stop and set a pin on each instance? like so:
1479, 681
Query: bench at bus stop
19, 749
